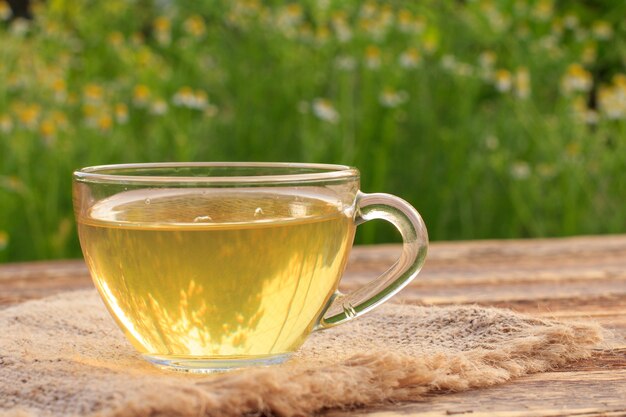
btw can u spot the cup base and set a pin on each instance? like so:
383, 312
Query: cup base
213, 365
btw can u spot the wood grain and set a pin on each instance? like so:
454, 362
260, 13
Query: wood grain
582, 278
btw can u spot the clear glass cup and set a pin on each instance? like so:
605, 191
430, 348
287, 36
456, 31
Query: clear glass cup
212, 266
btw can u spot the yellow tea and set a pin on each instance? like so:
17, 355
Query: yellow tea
210, 273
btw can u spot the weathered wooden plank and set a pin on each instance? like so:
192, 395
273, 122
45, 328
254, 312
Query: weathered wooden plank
568, 393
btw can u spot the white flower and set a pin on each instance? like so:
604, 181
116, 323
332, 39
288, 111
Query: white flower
448, 62
341, 27
492, 142
346, 63
576, 79
464, 69
372, 57
6, 124
324, 110
187, 97
121, 113
520, 170
487, 59
522, 83
200, 100
392, 98
503, 80
20, 27
211, 110
410, 58
602, 30
612, 99
159, 107
571, 21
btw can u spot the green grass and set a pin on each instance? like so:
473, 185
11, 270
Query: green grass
480, 150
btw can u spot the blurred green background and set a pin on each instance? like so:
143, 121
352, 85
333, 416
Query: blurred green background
495, 119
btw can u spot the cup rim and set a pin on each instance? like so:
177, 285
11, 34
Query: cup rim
106, 173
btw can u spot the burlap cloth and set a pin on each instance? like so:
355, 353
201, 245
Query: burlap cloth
64, 356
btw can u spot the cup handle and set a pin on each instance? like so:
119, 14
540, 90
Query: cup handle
345, 307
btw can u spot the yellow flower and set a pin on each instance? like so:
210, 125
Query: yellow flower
162, 24
60, 90
590, 52
141, 94
93, 93
410, 58
322, 34
543, 10
121, 113
5, 10
104, 122
116, 38
59, 119
137, 38
612, 99
557, 27
289, 16
145, 57
576, 79
28, 115
184, 97
620, 81
47, 129
405, 21
90, 111
194, 25
162, 30
294, 10
372, 57
59, 86
503, 80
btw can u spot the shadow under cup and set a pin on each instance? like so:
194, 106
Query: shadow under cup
212, 266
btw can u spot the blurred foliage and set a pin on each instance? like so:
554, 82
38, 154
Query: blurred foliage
494, 118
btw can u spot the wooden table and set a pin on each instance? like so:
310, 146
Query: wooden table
574, 278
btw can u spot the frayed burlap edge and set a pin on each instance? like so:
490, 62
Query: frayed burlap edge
368, 379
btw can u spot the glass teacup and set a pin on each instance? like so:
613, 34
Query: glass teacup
211, 266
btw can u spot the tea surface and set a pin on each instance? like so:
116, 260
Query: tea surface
216, 273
